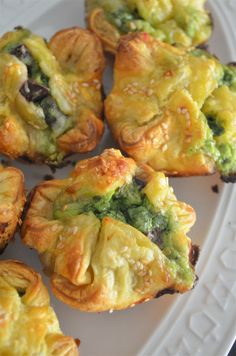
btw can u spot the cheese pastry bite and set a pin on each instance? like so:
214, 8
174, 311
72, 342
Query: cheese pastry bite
109, 240
50, 94
173, 110
12, 200
183, 23
29, 325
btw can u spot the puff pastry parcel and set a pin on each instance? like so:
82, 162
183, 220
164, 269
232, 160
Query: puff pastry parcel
50, 94
183, 22
173, 110
28, 325
12, 199
108, 240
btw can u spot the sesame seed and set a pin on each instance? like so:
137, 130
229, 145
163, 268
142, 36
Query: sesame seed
152, 81
132, 305
74, 230
147, 300
86, 85
111, 311
188, 123
164, 148
7, 125
96, 81
187, 115
166, 137
188, 140
175, 173
135, 84
150, 92
164, 125
137, 265
98, 86
142, 272
155, 142
54, 228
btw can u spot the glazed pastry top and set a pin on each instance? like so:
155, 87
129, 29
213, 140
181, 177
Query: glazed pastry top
107, 241
50, 97
29, 325
167, 106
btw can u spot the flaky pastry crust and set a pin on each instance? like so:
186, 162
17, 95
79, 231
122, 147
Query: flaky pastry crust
29, 325
161, 109
12, 200
98, 262
51, 99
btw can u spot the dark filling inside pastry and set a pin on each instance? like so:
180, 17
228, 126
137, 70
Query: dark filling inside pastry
37, 90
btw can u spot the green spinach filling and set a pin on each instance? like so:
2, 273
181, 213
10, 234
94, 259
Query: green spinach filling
219, 147
184, 21
128, 204
122, 19
219, 144
131, 22
229, 76
218, 114
215, 126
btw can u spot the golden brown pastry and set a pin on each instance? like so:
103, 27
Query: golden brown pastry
183, 22
50, 94
12, 199
173, 110
29, 325
108, 240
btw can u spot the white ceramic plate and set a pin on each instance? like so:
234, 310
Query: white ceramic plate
201, 322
